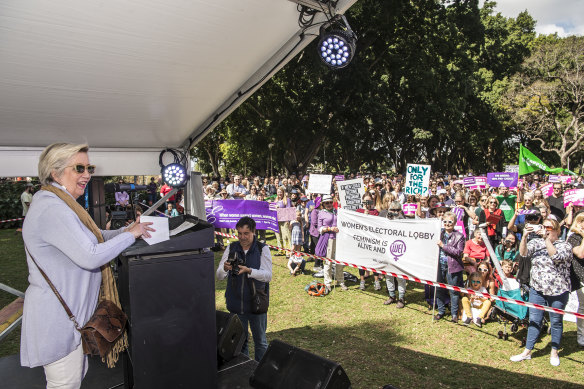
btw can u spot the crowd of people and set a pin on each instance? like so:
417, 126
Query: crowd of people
536, 239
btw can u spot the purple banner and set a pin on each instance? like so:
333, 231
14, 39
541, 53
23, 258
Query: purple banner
226, 213
468, 181
340, 177
497, 180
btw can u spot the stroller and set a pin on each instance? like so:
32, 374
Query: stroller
509, 313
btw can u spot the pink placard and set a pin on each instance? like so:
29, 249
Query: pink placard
574, 196
566, 179
547, 190
286, 214
410, 208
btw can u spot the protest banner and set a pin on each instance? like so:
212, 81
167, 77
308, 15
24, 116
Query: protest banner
226, 213
340, 177
459, 212
498, 180
547, 190
468, 181
409, 208
400, 246
574, 196
320, 183
553, 178
417, 180
286, 214
350, 193
566, 179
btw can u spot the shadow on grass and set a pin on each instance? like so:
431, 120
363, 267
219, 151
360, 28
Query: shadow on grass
370, 365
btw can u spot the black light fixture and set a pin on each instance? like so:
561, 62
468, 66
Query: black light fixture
174, 174
337, 43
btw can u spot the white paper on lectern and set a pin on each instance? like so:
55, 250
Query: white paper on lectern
160, 224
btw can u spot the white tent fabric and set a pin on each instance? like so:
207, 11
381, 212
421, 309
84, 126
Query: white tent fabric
132, 77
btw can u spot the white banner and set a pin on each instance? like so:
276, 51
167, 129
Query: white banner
404, 246
351, 192
417, 180
320, 183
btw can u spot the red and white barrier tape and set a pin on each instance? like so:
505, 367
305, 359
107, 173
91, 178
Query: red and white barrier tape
431, 283
11, 220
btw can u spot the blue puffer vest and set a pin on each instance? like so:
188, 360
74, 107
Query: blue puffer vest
239, 291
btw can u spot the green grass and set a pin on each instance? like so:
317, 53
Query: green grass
377, 344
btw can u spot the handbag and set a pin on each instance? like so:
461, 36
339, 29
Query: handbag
260, 300
106, 325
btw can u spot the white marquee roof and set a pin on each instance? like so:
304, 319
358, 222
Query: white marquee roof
132, 77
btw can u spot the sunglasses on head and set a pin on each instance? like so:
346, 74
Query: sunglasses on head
80, 169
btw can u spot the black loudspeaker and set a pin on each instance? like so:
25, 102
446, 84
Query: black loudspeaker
288, 367
230, 336
96, 191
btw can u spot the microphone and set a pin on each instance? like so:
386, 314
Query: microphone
111, 188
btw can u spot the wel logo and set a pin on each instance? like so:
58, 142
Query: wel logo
397, 249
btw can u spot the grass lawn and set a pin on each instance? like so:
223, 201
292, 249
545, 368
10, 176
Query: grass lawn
376, 344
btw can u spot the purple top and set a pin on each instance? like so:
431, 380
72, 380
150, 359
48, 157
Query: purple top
314, 223
327, 219
280, 204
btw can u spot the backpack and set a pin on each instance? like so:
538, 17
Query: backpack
316, 289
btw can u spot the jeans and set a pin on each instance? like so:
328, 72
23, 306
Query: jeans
580, 322
536, 317
401, 287
453, 279
258, 324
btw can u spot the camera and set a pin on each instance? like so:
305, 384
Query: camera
234, 260
120, 218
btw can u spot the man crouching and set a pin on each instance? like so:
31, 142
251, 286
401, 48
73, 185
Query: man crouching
245, 262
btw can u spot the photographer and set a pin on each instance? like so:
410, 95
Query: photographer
244, 262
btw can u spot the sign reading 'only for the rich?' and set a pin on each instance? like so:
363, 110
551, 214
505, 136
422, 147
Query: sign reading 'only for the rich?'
417, 180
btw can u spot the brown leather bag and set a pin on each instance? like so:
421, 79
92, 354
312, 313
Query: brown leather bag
103, 329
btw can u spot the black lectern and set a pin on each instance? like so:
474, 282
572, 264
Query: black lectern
168, 292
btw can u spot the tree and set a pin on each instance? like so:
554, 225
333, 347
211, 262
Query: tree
546, 100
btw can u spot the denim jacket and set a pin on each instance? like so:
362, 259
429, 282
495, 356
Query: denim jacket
454, 249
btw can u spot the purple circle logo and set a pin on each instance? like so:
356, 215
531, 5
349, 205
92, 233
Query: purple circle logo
397, 249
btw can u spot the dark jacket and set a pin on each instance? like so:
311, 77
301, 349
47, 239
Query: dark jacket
238, 292
454, 249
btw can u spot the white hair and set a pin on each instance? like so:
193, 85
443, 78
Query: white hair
54, 159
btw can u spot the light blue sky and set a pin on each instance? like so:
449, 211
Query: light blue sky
566, 17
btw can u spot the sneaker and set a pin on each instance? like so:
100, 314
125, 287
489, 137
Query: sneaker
343, 286
478, 323
438, 316
554, 361
327, 290
317, 269
390, 300
467, 321
400, 303
454, 319
521, 357
362, 285
377, 285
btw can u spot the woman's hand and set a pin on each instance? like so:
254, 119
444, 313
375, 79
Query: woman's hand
140, 229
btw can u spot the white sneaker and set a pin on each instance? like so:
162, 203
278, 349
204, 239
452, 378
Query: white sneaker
554, 361
377, 285
362, 285
520, 357
343, 286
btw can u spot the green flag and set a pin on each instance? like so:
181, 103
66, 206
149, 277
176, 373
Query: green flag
529, 163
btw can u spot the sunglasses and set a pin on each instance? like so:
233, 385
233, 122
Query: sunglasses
80, 169
548, 228
475, 282
395, 210
483, 270
448, 222
492, 202
483, 199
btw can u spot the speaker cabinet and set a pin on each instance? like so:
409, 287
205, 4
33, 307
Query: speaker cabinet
230, 336
288, 367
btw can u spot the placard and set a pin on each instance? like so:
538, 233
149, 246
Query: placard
417, 180
469, 181
340, 177
286, 214
320, 183
574, 196
410, 209
406, 246
226, 213
547, 190
350, 193
512, 168
498, 180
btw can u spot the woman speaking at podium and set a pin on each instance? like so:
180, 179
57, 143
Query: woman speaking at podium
61, 239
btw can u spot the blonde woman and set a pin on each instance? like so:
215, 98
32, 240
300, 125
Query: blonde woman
575, 239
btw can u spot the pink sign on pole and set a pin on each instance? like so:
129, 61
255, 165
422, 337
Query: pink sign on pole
574, 196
